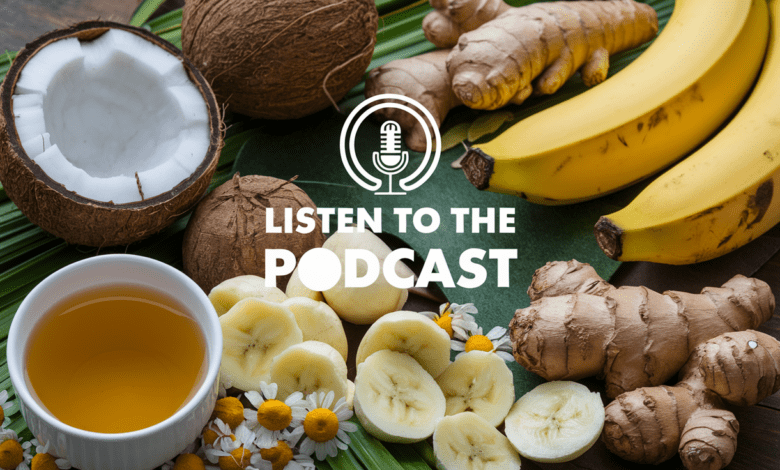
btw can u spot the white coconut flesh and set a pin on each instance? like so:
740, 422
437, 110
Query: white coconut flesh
115, 119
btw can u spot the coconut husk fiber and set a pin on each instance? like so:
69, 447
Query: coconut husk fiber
280, 59
226, 237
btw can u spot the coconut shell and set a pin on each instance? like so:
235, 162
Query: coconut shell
276, 59
226, 235
83, 221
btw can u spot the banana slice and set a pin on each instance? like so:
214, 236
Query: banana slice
295, 288
255, 331
227, 293
364, 305
481, 382
318, 322
412, 333
308, 367
350, 394
555, 422
465, 441
396, 400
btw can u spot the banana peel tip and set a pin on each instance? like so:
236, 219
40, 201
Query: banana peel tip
478, 167
609, 237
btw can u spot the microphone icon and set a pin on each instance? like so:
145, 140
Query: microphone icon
390, 160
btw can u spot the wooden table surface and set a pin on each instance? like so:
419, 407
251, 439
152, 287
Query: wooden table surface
759, 438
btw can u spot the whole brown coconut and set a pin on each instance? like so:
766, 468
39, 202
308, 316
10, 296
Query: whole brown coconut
280, 59
226, 235
66, 214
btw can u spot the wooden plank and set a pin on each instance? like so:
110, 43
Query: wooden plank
23, 20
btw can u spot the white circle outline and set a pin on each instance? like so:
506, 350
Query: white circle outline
402, 183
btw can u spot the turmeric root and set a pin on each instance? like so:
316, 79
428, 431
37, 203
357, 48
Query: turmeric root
496, 63
451, 18
578, 325
423, 78
651, 424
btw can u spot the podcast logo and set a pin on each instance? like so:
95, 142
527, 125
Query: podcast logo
389, 160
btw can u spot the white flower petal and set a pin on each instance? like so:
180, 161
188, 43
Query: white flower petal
254, 398
331, 448
320, 450
260, 463
340, 405
505, 356
496, 332
269, 390
294, 436
348, 426
457, 345
307, 446
63, 464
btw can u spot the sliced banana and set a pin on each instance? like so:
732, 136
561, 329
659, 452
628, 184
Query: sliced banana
555, 422
308, 367
364, 305
412, 333
481, 382
255, 331
466, 441
396, 400
227, 293
318, 322
295, 288
350, 394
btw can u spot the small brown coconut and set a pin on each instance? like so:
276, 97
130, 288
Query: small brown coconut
44, 197
280, 59
226, 235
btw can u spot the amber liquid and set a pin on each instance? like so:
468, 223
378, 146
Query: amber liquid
116, 359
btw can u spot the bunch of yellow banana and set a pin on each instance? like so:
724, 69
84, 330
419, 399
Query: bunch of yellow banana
721, 196
656, 110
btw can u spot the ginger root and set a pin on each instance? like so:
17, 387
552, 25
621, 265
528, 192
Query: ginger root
578, 325
651, 424
502, 54
451, 18
496, 63
423, 78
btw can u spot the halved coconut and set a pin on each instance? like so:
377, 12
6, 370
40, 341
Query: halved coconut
107, 133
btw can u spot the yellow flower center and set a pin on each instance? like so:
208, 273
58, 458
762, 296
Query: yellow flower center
2, 414
274, 415
189, 462
479, 343
445, 322
237, 460
230, 411
44, 462
279, 456
321, 425
11, 454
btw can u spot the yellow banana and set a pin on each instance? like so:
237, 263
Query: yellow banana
720, 197
660, 107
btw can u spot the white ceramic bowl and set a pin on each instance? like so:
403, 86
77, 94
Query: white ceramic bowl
144, 449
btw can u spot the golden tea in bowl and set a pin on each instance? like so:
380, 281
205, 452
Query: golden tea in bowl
115, 359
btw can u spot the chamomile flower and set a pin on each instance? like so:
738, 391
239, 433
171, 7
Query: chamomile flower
455, 319
14, 454
239, 457
45, 460
325, 429
496, 340
5, 405
218, 435
272, 417
281, 457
